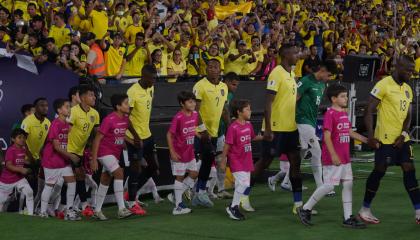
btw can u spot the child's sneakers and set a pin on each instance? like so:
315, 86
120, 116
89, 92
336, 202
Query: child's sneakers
234, 213
354, 222
304, 216
181, 209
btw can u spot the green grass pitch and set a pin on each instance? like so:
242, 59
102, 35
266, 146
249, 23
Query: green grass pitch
272, 220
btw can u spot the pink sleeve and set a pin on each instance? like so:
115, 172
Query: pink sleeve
174, 125
53, 132
252, 131
230, 135
328, 121
10, 155
105, 126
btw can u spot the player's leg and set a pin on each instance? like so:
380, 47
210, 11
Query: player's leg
221, 175
284, 168
39, 186
264, 162
24, 187
5, 191
90, 183
52, 176
212, 182
101, 194
295, 175
242, 184
135, 155
382, 155
70, 180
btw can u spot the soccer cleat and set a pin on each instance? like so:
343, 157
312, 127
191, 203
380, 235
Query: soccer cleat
367, 217
124, 213
171, 198
224, 195
295, 207
202, 199
246, 205
137, 210
87, 212
71, 215
187, 194
100, 216
60, 215
43, 215
304, 216
212, 195
50, 212
354, 222
234, 213
418, 220
331, 194
271, 184
181, 209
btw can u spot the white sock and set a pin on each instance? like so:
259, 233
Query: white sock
189, 182
153, 189
277, 177
29, 195
316, 164
119, 193
317, 196
45, 197
220, 180
417, 213
77, 202
21, 201
56, 192
131, 204
93, 189
84, 205
102, 190
347, 198
40, 187
178, 191
284, 166
56, 202
211, 184
236, 198
286, 180
71, 191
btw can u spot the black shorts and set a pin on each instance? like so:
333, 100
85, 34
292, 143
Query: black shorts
136, 154
389, 155
283, 143
198, 147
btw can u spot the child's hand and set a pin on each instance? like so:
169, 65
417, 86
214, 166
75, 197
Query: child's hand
175, 156
335, 160
94, 165
222, 164
25, 171
74, 158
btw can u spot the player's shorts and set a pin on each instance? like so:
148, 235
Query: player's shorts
137, 154
389, 155
180, 168
307, 135
242, 179
109, 163
334, 174
283, 142
52, 175
7, 188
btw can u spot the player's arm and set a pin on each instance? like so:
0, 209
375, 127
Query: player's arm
269, 98
174, 155
224, 157
357, 136
63, 152
371, 109
95, 148
226, 115
405, 129
328, 142
137, 140
258, 138
302, 86
201, 127
16, 169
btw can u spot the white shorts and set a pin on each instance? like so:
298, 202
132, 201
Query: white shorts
334, 174
7, 188
180, 168
307, 135
220, 144
109, 163
53, 175
242, 179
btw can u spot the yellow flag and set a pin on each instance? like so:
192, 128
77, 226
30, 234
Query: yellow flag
223, 12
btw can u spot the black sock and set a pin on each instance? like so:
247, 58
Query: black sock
81, 190
63, 193
133, 185
412, 187
372, 185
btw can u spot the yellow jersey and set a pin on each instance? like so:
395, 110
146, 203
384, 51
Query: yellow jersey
181, 67
237, 66
135, 65
130, 33
60, 35
259, 58
113, 60
37, 133
392, 110
140, 101
283, 113
99, 23
213, 98
82, 125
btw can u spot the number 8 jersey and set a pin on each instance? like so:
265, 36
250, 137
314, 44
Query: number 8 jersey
393, 108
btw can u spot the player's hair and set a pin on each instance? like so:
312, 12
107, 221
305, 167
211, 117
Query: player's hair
49, 40
184, 96
25, 108
238, 105
58, 103
313, 45
334, 90
230, 77
84, 89
72, 92
328, 64
117, 100
39, 100
213, 60
18, 131
149, 69
284, 48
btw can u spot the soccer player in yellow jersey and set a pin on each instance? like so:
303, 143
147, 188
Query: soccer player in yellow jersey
391, 97
211, 95
36, 126
139, 140
84, 120
59, 31
281, 135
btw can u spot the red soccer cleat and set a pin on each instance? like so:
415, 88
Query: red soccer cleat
137, 210
59, 215
418, 221
87, 212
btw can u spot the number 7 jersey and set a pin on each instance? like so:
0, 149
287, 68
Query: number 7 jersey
392, 110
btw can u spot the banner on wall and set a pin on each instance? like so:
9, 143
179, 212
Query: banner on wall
19, 86
223, 12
